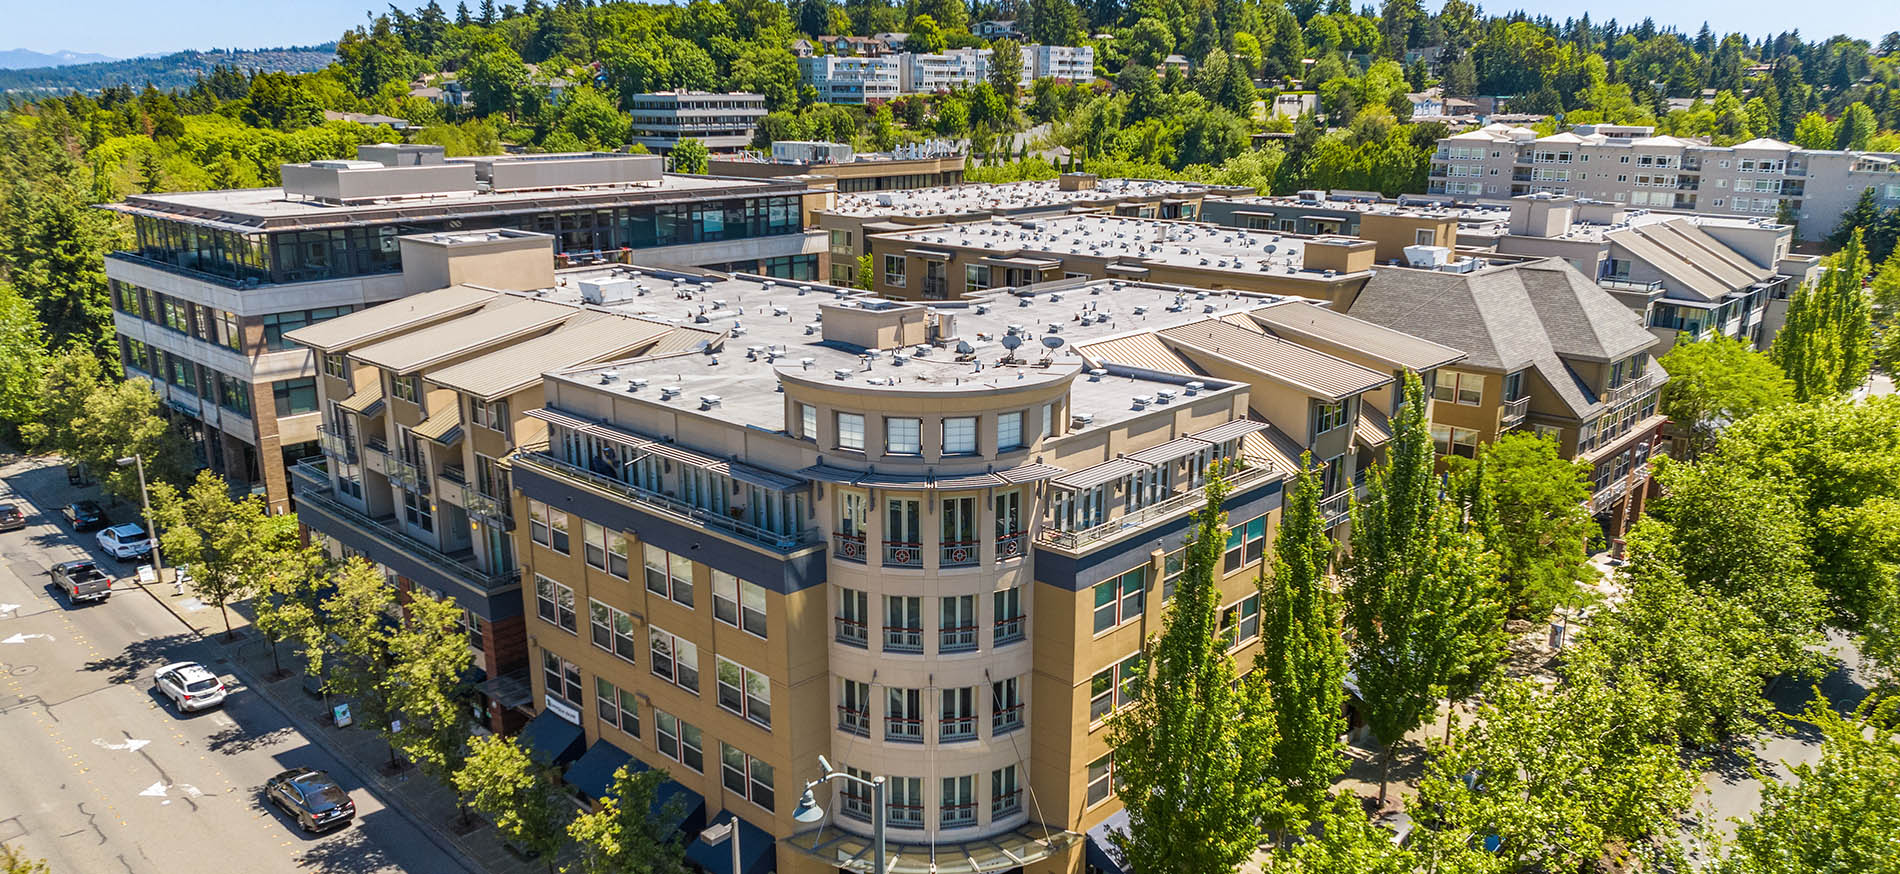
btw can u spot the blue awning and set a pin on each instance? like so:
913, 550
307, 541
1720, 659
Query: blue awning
551, 740
1100, 850
692, 806
757, 850
593, 772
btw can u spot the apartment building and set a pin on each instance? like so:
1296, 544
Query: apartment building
1547, 350
919, 165
1316, 211
949, 261
722, 122
217, 278
930, 73
923, 541
1633, 165
1067, 63
852, 79
423, 400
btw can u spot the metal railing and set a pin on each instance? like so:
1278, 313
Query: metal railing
315, 490
903, 638
959, 814
1009, 630
960, 638
1007, 719
849, 547
407, 474
495, 511
1006, 803
1630, 389
1629, 284
903, 553
856, 722
852, 632
671, 506
1010, 546
1256, 469
1335, 507
953, 728
958, 553
336, 445
902, 730
1513, 412
376, 456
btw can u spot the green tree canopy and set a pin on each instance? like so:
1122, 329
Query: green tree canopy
1716, 381
1542, 535
1303, 658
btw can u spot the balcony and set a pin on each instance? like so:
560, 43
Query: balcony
960, 638
1613, 284
1006, 804
494, 511
1257, 470
957, 728
849, 547
936, 288
958, 553
1336, 507
1630, 390
1006, 719
1008, 630
851, 632
314, 489
680, 510
408, 475
897, 729
1602, 501
856, 722
903, 553
376, 456
904, 639
1512, 413
337, 446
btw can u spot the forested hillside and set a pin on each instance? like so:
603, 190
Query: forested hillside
176, 70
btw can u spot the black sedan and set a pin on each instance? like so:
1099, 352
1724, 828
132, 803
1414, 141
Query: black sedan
11, 519
315, 800
84, 515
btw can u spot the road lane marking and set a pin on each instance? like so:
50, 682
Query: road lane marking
22, 638
131, 744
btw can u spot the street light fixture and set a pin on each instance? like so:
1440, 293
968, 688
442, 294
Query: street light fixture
809, 812
145, 503
727, 831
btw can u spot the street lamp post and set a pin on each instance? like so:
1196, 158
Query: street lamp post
808, 810
728, 832
145, 503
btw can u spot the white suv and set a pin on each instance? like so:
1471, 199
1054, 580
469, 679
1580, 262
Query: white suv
190, 686
125, 542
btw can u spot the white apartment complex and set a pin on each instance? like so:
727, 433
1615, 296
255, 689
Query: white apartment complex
1068, 63
852, 79
1633, 165
883, 77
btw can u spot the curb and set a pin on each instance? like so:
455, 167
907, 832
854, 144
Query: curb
315, 735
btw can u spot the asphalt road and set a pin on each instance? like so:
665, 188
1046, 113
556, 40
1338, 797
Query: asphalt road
98, 775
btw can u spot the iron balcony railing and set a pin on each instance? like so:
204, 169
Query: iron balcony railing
1255, 470
337, 446
958, 553
959, 814
1630, 390
856, 722
314, 489
1010, 546
495, 511
1006, 719
1513, 412
903, 638
852, 632
1006, 803
407, 474
903, 730
849, 547
1009, 630
903, 553
681, 510
960, 638
955, 728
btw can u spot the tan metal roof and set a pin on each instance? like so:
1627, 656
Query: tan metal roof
1273, 444
1143, 350
588, 338
444, 426
397, 315
366, 401
1305, 369
1372, 429
682, 338
506, 319
1306, 322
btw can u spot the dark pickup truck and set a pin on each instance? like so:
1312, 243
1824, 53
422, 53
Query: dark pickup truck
82, 580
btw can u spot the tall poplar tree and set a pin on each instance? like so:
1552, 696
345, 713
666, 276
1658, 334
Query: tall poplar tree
1190, 751
1826, 346
1304, 657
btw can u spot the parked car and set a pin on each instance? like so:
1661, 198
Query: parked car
84, 515
11, 519
189, 685
126, 542
82, 580
309, 795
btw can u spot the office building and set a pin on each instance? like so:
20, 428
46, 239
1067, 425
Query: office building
1635, 166
721, 122
216, 278
923, 541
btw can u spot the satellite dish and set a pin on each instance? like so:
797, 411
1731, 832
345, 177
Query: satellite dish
964, 347
1052, 341
1011, 341
1270, 248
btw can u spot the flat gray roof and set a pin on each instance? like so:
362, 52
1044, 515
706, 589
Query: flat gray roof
1150, 241
1008, 197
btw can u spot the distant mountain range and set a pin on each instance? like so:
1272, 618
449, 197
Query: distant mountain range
22, 59
176, 70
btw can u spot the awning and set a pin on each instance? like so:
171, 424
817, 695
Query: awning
893, 481
1371, 429
691, 810
827, 473
1231, 430
1020, 261
556, 417
970, 481
929, 253
593, 772
1130, 269
757, 477
444, 426
682, 455
1173, 450
1100, 850
758, 850
1108, 471
1029, 473
617, 435
551, 740
367, 401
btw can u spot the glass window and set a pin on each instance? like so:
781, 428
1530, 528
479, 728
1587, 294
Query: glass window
738, 603
959, 436
1100, 774
808, 422
1006, 793
678, 740
894, 270
746, 776
1009, 431
902, 436
594, 544
744, 691
1119, 600
675, 660
669, 575
555, 603
617, 707
295, 396
850, 431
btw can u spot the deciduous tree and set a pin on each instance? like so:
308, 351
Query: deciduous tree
225, 542
503, 784
1835, 816
428, 685
626, 835
689, 156
1542, 534
1716, 381
1303, 659
22, 362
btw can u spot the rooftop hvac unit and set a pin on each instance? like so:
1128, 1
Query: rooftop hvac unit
1081, 420
1142, 401
608, 291
668, 393
1195, 386
1164, 395
707, 402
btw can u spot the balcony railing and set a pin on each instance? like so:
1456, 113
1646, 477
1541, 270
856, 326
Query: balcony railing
1630, 390
903, 638
1513, 413
1007, 719
1602, 501
958, 553
1335, 507
314, 489
1615, 284
336, 445
679, 509
1009, 630
960, 638
407, 474
954, 728
901, 730
1256, 469
494, 511
849, 547
959, 814
903, 553
1010, 546
1006, 803
856, 722
852, 632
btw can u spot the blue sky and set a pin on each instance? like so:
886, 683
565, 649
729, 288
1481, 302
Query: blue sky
124, 28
